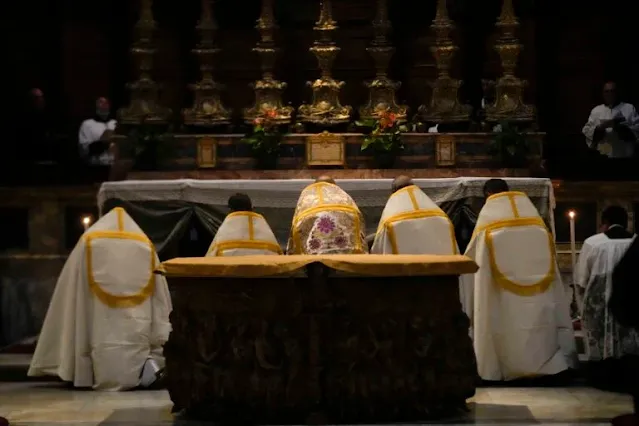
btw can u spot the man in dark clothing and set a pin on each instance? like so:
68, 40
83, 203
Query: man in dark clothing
623, 305
32, 141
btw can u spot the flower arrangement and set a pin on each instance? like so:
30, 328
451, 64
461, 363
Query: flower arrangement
265, 138
384, 136
509, 146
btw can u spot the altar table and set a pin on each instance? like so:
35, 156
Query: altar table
318, 339
162, 208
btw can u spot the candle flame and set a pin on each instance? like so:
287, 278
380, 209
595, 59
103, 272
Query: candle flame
86, 220
572, 214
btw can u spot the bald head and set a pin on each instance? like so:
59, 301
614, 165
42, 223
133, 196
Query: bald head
401, 182
325, 179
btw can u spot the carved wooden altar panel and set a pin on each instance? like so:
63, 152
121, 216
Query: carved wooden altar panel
325, 149
445, 150
206, 153
319, 349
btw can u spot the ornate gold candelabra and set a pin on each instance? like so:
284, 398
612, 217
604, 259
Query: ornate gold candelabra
207, 109
382, 89
444, 104
509, 90
268, 90
326, 108
144, 103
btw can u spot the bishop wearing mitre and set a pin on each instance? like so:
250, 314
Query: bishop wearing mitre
326, 221
412, 223
516, 302
243, 232
109, 315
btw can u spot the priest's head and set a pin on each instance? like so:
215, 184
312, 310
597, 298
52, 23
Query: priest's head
400, 182
240, 203
610, 95
495, 186
102, 108
325, 179
614, 216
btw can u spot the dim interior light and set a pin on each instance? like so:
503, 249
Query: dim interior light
572, 214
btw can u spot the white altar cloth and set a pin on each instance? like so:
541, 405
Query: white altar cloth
284, 193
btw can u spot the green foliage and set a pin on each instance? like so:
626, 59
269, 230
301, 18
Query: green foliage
265, 139
383, 135
151, 140
510, 145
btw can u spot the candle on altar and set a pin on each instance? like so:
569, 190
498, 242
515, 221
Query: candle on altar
86, 221
573, 249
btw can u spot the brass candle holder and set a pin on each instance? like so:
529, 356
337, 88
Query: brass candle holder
268, 90
144, 105
382, 90
444, 106
326, 108
207, 109
509, 90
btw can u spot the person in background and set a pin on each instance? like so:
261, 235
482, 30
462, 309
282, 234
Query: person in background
95, 136
243, 232
516, 302
412, 223
326, 221
605, 338
613, 126
33, 129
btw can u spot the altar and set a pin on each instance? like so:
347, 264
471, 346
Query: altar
329, 339
165, 208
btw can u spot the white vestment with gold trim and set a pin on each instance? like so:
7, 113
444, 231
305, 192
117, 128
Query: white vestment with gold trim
518, 307
109, 312
412, 223
243, 234
326, 221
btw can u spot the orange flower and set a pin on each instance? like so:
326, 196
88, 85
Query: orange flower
271, 113
258, 121
392, 117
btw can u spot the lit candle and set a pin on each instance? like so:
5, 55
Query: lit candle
86, 221
573, 245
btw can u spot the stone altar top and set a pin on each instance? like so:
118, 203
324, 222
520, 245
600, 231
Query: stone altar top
356, 264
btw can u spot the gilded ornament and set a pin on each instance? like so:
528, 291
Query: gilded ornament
268, 90
325, 108
444, 106
509, 89
207, 109
144, 105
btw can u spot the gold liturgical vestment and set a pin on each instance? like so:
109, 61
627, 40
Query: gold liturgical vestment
326, 221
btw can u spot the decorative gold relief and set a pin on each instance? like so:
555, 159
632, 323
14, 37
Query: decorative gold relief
326, 108
144, 105
268, 90
445, 150
382, 90
207, 109
444, 106
325, 149
509, 90
206, 153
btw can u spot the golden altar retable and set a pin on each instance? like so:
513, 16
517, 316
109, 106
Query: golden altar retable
315, 339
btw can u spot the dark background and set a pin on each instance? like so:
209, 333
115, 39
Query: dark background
78, 50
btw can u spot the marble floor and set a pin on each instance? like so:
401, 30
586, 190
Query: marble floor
39, 404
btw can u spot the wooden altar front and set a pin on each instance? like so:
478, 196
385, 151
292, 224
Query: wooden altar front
317, 339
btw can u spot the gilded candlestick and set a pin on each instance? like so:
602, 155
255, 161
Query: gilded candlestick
144, 105
509, 90
382, 89
444, 105
268, 90
207, 109
326, 108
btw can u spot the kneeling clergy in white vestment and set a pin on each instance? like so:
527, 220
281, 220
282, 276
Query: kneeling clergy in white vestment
604, 336
109, 315
412, 223
516, 302
243, 232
